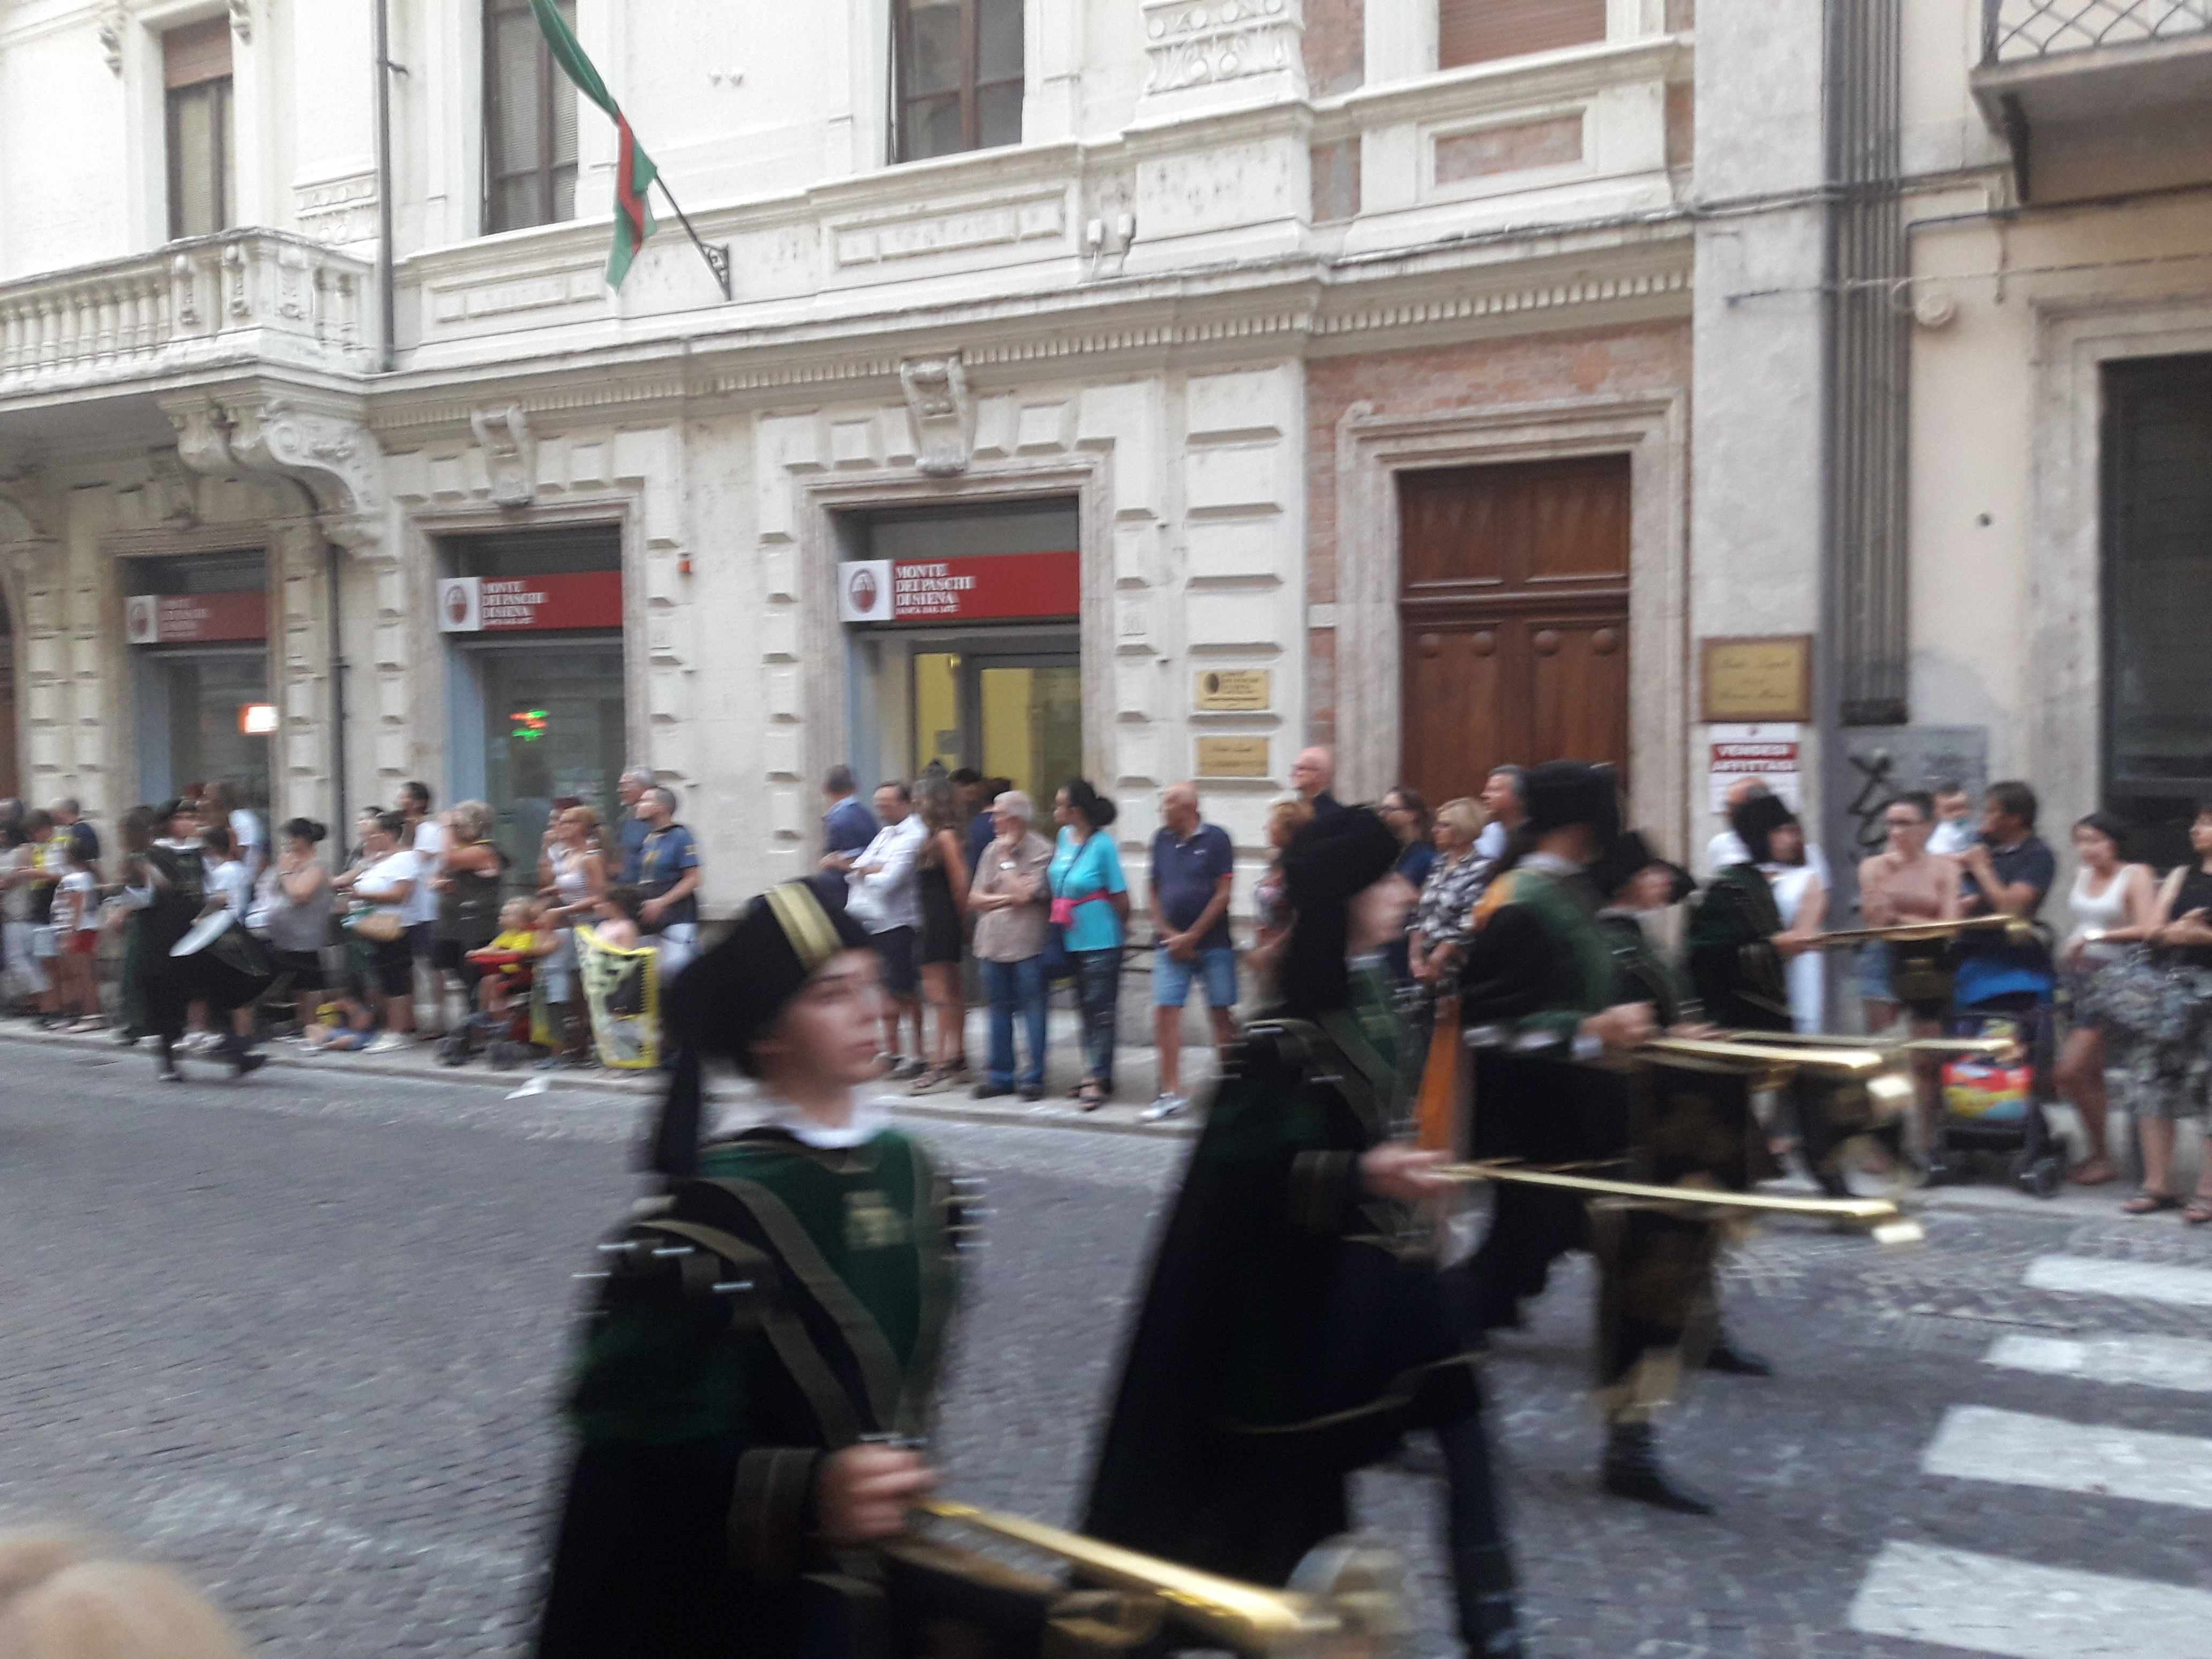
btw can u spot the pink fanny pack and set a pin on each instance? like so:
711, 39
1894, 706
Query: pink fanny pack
1063, 909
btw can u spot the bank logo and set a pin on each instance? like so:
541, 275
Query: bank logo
864, 591
460, 605
141, 619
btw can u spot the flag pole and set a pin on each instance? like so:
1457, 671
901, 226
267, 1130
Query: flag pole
716, 254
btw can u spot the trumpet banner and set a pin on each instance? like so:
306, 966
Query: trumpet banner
622, 990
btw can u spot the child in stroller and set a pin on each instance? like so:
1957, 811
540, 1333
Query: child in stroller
501, 1022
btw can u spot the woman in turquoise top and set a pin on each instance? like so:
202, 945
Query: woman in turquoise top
1090, 904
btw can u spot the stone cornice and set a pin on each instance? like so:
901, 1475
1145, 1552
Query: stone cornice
1296, 306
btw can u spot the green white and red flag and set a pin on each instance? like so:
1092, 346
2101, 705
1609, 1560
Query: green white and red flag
633, 169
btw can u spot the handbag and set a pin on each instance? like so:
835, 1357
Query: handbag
2145, 998
375, 926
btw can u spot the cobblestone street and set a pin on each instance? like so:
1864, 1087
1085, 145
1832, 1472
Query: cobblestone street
303, 1336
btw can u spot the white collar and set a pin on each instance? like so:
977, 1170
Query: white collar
868, 1121
1554, 863
175, 845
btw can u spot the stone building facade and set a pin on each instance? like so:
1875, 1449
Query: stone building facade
1250, 262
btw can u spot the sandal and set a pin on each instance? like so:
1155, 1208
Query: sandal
1091, 1096
2148, 1202
2199, 1211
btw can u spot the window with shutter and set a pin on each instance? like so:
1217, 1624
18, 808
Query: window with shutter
529, 122
1483, 31
199, 128
957, 73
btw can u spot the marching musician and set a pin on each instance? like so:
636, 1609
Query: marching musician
166, 885
1295, 1328
1740, 952
1557, 986
747, 1399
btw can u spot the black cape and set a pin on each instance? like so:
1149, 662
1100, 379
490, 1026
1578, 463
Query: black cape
1291, 1332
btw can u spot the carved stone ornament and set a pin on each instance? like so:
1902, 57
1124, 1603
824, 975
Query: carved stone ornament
242, 19
170, 488
328, 450
1193, 42
942, 413
25, 510
510, 454
113, 26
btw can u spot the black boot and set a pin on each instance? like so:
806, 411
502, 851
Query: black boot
1632, 1469
1729, 1360
1482, 1580
239, 1051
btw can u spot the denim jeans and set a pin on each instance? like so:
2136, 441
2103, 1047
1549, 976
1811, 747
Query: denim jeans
1015, 987
1098, 992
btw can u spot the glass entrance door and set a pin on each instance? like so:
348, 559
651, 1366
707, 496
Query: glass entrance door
194, 725
1017, 717
553, 727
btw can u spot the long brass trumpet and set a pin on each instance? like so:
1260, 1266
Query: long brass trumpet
2018, 931
1343, 1618
1964, 1046
1770, 1048
1883, 1221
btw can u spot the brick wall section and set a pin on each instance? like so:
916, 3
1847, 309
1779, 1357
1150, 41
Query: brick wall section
1335, 46
1636, 360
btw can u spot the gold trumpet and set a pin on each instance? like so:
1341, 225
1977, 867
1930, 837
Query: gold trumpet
2018, 931
1344, 1602
1971, 1047
1883, 1220
1827, 1055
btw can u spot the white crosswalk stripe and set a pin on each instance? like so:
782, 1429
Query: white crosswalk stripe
1986, 1604
2021, 1609
1979, 1443
2148, 1281
2143, 1362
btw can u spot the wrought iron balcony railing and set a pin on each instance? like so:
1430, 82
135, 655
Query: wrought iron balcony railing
2020, 31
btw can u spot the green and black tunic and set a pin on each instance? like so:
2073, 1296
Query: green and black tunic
1732, 961
800, 1304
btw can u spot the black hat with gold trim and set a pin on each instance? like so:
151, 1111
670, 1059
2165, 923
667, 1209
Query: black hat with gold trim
729, 995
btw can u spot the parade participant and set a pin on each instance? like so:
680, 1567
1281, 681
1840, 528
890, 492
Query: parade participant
168, 884
1739, 951
1539, 972
1288, 1335
1546, 976
735, 1422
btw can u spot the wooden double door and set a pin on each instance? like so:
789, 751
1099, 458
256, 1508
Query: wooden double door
1513, 618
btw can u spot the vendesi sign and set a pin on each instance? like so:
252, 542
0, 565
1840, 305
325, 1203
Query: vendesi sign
498, 604
195, 618
985, 587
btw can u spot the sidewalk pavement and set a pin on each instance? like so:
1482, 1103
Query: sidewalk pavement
1136, 1077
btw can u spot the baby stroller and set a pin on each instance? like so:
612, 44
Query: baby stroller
1996, 1106
504, 1038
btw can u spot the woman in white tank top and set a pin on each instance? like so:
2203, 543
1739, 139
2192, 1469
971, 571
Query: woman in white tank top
2113, 904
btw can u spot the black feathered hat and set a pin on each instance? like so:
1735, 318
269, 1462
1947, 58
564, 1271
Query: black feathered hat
1561, 793
1329, 860
726, 998
1755, 823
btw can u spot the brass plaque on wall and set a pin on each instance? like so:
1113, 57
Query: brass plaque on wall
1233, 757
1757, 679
1234, 691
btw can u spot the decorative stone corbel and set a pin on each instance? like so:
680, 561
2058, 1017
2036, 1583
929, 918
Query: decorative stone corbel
170, 488
114, 26
242, 19
320, 443
942, 414
510, 454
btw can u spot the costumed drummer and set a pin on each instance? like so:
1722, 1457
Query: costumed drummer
1557, 1009
767, 1344
1294, 1328
166, 885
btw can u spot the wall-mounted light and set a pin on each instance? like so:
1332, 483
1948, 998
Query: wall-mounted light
256, 720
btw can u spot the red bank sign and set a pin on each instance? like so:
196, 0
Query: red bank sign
988, 587
195, 618
497, 604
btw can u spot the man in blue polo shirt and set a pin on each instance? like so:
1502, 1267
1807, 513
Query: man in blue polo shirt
1193, 868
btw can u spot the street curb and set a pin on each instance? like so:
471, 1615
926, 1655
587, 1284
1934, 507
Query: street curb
646, 1087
